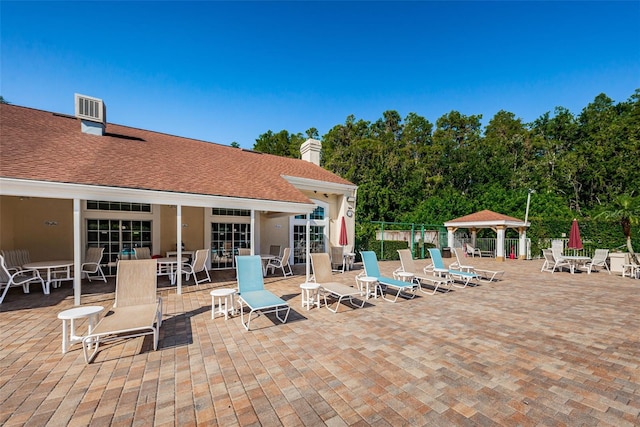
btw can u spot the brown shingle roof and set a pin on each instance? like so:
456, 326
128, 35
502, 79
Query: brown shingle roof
40, 145
485, 215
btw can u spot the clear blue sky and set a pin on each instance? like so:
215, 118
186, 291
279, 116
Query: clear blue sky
230, 71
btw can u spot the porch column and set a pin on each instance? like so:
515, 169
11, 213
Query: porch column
500, 231
307, 250
450, 239
253, 232
522, 243
179, 248
77, 253
474, 235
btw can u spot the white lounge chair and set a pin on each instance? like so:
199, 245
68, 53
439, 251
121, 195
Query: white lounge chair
484, 275
458, 264
22, 278
137, 310
551, 263
251, 291
91, 264
328, 287
371, 269
424, 277
470, 250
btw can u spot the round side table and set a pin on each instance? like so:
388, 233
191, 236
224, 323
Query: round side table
90, 311
228, 295
310, 295
365, 282
405, 276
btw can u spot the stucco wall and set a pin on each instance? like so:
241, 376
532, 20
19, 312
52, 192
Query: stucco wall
192, 230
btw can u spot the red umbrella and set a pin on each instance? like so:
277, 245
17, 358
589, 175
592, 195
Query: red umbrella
343, 233
575, 242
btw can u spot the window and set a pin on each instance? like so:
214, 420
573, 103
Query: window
230, 212
118, 206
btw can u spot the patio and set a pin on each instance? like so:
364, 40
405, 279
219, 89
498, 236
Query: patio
532, 349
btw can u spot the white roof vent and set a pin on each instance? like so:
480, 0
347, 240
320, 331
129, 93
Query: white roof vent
92, 112
89, 108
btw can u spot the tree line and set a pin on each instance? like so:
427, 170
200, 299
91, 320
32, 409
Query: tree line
411, 170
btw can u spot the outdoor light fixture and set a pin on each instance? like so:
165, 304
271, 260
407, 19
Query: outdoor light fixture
351, 199
51, 223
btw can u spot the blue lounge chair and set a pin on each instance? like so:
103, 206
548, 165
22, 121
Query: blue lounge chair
464, 276
371, 269
251, 291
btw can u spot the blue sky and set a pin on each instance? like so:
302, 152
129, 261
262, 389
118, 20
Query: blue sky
230, 71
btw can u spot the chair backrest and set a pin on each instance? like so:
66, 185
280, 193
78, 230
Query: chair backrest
370, 262
436, 258
557, 246
406, 260
337, 254
94, 255
200, 260
600, 256
274, 250
286, 254
142, 253
458, 254
548, 256
321, 265
249, 273
470, 249
136, 282
348, 249
244, 251
5, 276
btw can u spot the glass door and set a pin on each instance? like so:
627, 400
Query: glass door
226, 239
118, 238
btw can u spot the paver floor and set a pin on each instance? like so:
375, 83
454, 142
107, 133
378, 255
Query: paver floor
532, 349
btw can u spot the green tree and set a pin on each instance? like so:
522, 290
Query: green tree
625, 210
280, 144
234, 144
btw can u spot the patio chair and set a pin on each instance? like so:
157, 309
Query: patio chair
484, 275
407, 264
251, 291
198, 265
142, 253
137, 310
371, 269
244, 251
464, 276
457, 264
282, 263
274, 250
22, 278
349, 256
321, 265
337, 259
551, 263
599, 260
91, 264
470, 250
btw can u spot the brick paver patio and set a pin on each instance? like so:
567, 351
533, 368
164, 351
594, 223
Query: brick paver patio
532, 349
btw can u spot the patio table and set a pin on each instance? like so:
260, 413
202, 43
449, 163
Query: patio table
52, 267
574, 260
169, 267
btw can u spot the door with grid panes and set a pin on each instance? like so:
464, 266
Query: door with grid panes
226, 239
118, 238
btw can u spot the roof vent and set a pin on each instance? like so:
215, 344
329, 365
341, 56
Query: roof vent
92, 112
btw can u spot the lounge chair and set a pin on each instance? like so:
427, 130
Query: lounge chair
551, 263
13, 278
484, 275
251, 291
464, 276
328, 287
198, 265
137, 309
371, 269
282, 263
599, 260
91, 264
407, 264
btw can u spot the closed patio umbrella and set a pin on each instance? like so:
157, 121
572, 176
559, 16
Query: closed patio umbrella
343, 241
575, 242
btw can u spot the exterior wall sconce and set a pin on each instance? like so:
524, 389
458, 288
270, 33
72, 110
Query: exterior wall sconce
351, 199
51, 223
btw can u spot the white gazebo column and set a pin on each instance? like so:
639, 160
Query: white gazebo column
522, 243
500, 231
450, 239
474, 235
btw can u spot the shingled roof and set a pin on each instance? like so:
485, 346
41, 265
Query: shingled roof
485, 216
45, 146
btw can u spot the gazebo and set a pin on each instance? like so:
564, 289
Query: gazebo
493, 220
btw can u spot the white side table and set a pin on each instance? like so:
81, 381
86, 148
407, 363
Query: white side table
310, 295
405, 276
90, 311
228, 295
365, 282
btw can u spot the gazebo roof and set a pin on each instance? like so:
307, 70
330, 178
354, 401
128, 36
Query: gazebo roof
485, 219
